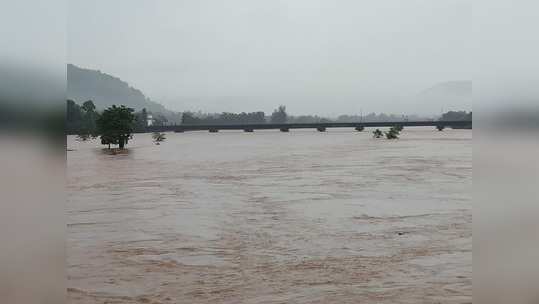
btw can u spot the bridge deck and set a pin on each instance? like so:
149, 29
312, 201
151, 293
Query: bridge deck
320, 126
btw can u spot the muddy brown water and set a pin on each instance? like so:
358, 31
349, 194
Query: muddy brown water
272, 217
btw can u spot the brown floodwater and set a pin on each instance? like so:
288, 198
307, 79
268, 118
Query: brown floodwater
272, 217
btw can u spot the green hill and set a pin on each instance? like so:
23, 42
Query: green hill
105, 90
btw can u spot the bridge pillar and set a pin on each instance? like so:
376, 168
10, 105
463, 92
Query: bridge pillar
214, 130
248, 130
321, 129
285, 129
360, 128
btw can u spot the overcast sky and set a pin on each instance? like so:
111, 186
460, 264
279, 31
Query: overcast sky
317, 57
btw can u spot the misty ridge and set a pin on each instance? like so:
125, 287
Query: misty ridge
105, 90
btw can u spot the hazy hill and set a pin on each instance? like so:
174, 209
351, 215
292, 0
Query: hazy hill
106, 90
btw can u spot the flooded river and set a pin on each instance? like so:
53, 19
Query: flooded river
272, 217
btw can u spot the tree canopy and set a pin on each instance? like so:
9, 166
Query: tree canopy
158, 137
456, 115
81, 120
115, 125
393, 132
279, 115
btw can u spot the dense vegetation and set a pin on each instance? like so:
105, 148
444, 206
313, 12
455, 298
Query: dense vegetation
456, 115
393, 132
278, 116
82, 120
115, 126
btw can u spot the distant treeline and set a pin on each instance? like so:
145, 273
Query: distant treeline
380, 117
223, 118
81, 119
456, 115
278, 116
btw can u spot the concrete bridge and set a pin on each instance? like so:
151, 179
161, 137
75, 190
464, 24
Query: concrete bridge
285, 127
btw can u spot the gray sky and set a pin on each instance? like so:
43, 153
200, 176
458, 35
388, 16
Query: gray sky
317, 57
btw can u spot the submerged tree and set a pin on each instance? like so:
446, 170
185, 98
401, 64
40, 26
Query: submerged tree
73, 117
377, 133
158, 137
393, 133
116, 125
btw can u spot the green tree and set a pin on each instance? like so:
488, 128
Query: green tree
393, 133
279, 115
158, 137
377, 133
73, 117
88, 106
455, 115
189, 118
89, 118
116, 125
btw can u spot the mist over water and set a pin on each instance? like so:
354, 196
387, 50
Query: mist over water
271, 217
